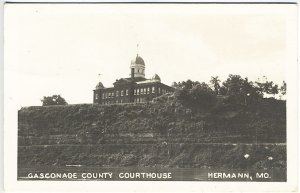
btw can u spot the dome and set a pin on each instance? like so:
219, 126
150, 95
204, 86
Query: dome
156, 77
138, 60
99, 85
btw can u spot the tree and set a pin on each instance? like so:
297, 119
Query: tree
53, 100
215, 81
200, 95
267, 87
175, 85
233, 85
188, 84
283, 88
241, 90
274, 90
185, 84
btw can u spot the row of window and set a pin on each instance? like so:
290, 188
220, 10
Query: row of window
147, 90
138, 91
137, 100
112, 102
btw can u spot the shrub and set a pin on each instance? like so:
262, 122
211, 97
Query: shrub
200, 96
53, 100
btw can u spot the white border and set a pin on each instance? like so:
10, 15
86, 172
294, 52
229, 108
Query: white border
10, 133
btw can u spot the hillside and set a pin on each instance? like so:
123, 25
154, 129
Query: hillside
162, 133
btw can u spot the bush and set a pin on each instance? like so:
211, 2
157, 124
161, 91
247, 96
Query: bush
200, 96
53, 100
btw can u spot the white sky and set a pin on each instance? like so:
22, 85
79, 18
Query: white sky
61, 49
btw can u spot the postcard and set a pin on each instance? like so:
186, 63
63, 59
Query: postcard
150, 97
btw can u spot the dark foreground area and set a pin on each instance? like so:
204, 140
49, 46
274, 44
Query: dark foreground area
175, 155
161, 134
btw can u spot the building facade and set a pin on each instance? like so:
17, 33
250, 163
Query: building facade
134, 89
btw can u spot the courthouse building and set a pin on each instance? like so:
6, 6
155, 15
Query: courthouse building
136, 88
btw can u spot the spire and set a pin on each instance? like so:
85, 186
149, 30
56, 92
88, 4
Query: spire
137, 50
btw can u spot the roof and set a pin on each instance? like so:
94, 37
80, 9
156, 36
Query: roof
138, 60
146, 81
99, 85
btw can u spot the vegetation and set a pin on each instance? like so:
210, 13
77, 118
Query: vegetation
53, 100
199, 96
238, 90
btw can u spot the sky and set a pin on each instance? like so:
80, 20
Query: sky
62, 48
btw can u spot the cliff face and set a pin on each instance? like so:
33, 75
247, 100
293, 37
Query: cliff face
162, 133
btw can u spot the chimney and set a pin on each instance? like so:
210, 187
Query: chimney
132, 73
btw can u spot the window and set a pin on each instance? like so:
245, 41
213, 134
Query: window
153, 89
158, 90
134, 91
112, 94
122, 93
117, 93
126, 92
96, 96
148, 90
102, 95
138, 91
121, 101
117, 101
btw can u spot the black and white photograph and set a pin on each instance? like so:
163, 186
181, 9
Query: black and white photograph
151, 92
